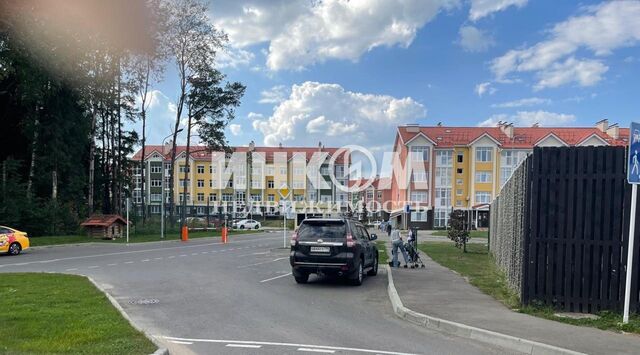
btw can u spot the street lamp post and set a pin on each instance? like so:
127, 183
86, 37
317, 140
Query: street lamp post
162, 186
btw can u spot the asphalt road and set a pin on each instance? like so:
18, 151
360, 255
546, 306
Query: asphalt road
204, 297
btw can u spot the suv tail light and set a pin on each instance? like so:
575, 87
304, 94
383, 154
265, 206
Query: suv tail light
350, 241
294, 239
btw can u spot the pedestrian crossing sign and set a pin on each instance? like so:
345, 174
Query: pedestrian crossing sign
633, 162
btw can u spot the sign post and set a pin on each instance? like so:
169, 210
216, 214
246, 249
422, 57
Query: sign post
127, 220
633, 177
284, 195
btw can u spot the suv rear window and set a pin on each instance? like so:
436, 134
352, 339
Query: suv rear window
322, 229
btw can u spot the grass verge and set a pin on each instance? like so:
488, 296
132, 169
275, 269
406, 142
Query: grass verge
54, 313
73, 239
478, 267
383, 257
472, 234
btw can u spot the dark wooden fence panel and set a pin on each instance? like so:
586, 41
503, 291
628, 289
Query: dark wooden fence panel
575, 248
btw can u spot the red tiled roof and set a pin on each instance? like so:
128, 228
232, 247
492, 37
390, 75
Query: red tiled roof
523, 137
102, 220
202, 153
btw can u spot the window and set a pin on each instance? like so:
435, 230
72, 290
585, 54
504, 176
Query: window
298, 184
460, 157
154, 209
312, 195
459, 181
200, 197
419, 196
298, 197
483, 176
182, 169
182, 183
298, 171
505, 174
200, 169
369, 195
283, 170
459, 192
420, 153
443, 176
210, 169
418, 216
483, 197
459, 203
227, 197
156, 183
420, 176
156, 197
167, 169
200, 211
444, 157
440, 217
256, 197
443, 197
136, 170
156, 169
379, 195
270, 184
459, 171
213, 197
324, 170
240, 196
230, 183
200, 183
484, 154
339, 171
271, 197
181, 197
270, 170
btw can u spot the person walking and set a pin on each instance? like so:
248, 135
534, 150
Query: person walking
396, 243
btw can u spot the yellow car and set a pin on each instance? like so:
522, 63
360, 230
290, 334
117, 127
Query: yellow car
12, 241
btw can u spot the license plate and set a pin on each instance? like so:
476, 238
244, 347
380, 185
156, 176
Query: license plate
320, 249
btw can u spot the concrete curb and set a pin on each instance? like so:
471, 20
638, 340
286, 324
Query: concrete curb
161, 350
466, 331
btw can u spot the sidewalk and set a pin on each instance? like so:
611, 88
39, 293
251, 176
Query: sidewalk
439, 292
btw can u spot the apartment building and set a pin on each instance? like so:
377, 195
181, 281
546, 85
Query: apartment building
440, 168
375, 195
257, 176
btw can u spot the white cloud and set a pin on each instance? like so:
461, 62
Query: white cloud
529, 118
600, 29
483, 88
275, 95
584, 72
329, 113
255, 116
235, 129
482, 8
531, 101
233, 57
474, 40
302, 33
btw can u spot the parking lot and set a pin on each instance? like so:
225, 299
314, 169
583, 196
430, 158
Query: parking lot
206, 297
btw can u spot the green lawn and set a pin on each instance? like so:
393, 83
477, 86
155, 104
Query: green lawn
54, 313
383, 257
70, 239
478, 267
472, 234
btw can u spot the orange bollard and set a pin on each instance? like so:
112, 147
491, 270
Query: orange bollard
185, 234
224, 235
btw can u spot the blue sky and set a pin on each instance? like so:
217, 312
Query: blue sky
349, 72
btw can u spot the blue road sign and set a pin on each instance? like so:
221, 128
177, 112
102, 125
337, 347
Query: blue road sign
633, 163
407, 208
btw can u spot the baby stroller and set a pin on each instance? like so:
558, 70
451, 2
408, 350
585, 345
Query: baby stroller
411, 246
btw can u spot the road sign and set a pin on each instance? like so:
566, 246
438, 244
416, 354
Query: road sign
284, 192
407, 208
633, 162
633, 176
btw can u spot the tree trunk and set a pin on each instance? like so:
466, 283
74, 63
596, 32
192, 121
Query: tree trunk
34, 144
54, 185
92, 163
183, 90
186, 174
143, 114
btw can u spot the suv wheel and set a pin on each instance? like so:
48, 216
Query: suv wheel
357, 281
257, 227
301, 278
374, 268
242, 226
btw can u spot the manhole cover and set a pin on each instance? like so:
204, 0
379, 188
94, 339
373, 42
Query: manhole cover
144, 301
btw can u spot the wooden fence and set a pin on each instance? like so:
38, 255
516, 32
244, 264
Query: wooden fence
576, 215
